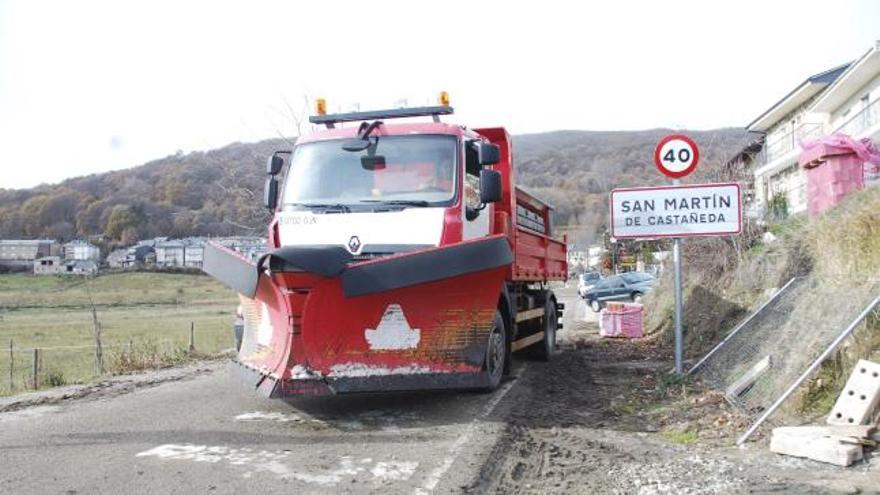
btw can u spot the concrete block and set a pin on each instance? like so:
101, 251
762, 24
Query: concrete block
859, 397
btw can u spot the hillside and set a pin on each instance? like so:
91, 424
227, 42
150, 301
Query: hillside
218, 192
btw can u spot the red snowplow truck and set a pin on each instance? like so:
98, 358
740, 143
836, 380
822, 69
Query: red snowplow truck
401, 256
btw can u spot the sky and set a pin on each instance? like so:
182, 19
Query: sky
88, 86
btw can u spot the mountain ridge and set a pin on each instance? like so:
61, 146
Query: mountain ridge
218, 191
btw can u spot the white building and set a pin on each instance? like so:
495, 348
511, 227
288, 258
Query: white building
839, 100
169, 254
785, 124
81, 251
48, 265
180, 253
193, 253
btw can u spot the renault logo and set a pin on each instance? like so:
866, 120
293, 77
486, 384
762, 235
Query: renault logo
354, 244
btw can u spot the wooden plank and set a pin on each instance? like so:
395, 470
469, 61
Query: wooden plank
527, 341
819, 448
854, 431
748, 379
859, 397
529, 314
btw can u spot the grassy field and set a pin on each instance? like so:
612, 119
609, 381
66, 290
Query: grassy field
145, 320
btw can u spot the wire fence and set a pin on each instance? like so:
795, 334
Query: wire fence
37, 367
754, 366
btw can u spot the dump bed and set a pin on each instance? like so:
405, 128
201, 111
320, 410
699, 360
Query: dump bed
538, 256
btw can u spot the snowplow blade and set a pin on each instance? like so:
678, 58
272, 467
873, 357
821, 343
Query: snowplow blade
319, 322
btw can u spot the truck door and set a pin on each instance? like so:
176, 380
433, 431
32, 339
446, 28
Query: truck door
479, 226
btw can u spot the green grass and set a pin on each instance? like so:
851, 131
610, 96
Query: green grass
686, 437
135, 310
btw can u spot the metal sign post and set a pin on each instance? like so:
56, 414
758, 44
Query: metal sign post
676, 261
676, 156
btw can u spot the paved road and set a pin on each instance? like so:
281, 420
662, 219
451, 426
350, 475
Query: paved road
206, 434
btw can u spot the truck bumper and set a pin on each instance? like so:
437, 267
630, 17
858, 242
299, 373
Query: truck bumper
274, 388
316, 323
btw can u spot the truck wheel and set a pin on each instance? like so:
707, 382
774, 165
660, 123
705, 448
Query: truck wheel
547, 347
496, 353
637, 297
595, 305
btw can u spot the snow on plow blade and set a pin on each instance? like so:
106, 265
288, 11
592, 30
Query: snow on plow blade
318, 322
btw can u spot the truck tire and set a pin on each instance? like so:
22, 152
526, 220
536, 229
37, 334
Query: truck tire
496, 353
545, 349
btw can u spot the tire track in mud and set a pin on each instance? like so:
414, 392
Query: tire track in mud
548, 436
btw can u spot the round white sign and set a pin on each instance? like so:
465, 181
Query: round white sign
676, 155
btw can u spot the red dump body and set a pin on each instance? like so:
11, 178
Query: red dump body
326, 319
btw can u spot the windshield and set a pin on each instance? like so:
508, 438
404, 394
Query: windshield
418, 170
590, 277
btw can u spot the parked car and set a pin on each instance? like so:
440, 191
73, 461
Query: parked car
586, 281
626, 286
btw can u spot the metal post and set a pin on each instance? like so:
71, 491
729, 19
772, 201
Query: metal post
192, 337
676, 259
11, 367
819, 360
36, 369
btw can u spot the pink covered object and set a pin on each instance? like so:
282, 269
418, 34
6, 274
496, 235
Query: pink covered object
836, 165
622, 320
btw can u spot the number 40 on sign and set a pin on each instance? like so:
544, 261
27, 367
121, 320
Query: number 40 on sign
676, 155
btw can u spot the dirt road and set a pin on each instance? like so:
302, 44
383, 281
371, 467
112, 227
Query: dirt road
570, 426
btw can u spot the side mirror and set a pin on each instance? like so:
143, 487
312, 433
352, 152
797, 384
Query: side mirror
375, 162
276, 162
490, 185
270, 193
487, 153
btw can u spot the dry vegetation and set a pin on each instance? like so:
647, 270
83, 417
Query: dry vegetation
724, 281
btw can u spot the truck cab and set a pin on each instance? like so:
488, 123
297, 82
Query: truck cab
384, 188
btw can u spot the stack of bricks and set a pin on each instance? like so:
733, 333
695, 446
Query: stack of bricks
832, 172
622, 320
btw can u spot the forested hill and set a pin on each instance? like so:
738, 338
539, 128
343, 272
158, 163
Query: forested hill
218, 192
574, 170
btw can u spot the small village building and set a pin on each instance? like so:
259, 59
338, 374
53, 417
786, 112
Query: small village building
48, 265
20, 254
116, 259
81, 267
82, 251
170, 254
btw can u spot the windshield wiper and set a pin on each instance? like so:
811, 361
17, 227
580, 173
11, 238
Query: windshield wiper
328, 206
402, 202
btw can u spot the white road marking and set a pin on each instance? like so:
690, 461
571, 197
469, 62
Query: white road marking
268, 416
259, 461
394, 470
433, 479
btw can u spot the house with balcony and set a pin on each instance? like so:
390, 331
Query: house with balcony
778, 177
841, 100
851, 105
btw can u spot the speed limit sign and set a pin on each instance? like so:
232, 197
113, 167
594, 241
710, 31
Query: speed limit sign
676, 155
